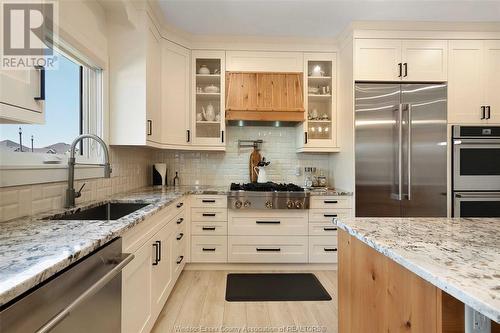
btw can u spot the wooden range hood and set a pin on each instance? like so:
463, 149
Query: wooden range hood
264, 96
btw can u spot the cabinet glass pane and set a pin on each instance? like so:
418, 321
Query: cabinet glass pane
319, 130
208, 98
319, 96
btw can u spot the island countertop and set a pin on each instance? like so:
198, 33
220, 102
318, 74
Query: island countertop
459, 256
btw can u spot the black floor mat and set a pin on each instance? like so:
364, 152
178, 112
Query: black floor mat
275, 287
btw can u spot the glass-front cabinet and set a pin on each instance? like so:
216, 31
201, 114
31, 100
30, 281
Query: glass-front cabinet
208, 117
318, 133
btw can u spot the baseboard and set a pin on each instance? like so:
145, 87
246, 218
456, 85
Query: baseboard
259, 267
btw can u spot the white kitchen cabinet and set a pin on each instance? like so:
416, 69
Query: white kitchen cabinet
473, 82
162, 276
318, 133
21, 96
400, 60
260, 61
153, 86
267, 249
175, 81
377, 59
137, 291
492, 79
208, 96
425, 60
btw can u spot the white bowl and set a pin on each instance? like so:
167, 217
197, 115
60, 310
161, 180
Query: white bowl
211, 89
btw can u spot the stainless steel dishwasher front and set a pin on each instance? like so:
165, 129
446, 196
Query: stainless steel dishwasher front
85, 297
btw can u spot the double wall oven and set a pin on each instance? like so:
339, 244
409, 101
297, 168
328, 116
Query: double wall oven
476, 171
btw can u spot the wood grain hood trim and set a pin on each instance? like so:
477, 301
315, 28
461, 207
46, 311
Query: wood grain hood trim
264, 96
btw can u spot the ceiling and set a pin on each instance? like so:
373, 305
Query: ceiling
312, 18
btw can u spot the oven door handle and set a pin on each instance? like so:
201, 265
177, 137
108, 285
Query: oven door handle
485, 195
47, 327
476, 141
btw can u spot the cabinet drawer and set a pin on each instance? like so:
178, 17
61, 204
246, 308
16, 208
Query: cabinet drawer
322, 229
209, 249
330, 202
327, 215
208, 228
179, 255
206, 201
267, 249
208, 214
268, 225
323, 249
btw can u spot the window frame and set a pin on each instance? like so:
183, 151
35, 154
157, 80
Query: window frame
30, 167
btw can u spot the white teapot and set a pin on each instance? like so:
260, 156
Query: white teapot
209, 112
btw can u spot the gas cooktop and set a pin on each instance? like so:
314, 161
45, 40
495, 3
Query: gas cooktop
267, 196
266, 187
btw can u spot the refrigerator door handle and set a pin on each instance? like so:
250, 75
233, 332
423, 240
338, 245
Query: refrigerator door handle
398, 196
408, 108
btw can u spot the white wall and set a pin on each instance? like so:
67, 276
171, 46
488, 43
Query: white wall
222, 168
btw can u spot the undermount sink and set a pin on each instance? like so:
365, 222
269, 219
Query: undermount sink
107, 211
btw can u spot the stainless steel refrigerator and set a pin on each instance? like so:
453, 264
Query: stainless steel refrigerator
400, 149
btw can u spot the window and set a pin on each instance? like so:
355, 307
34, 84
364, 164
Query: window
73, 106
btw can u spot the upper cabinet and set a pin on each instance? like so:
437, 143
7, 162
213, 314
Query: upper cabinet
400, 60
264, 96
318, 133
208, 95
473, 82
22, 96
175, 97
258, 61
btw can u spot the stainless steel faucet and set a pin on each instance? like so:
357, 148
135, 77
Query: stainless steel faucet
71, 194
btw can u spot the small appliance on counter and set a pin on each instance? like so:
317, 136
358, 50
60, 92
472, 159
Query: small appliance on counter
160, 174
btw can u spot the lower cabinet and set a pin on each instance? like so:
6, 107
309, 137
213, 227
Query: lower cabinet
147, 281
267, 249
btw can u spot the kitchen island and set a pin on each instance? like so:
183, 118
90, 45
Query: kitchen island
416, 274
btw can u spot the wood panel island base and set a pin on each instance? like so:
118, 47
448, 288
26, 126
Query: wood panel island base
376, 294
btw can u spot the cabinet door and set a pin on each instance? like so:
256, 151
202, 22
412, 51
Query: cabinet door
162, 281
492, 79
18, 89
153, 86
175, 94
465, 82
425, 60
136, 292
377, 60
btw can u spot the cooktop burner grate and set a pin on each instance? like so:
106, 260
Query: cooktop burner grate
266, 187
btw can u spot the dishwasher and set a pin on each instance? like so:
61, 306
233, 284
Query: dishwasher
85, 297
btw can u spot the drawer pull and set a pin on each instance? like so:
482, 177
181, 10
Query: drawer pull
156, 260
180, 204
208, 228
329, 228
327, 249
180, 236
180, 220
208, 201
208, 214
209, 249
330, 215
179, 259
268, 249
268, 222
330, 201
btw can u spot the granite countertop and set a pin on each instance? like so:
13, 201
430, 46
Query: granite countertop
459, 256
33, 249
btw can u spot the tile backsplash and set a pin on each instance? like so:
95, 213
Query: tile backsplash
222, 168
131, 169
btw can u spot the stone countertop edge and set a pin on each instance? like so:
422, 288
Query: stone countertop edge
467, 298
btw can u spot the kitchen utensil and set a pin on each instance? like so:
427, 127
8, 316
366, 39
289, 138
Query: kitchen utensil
209, 112
261, 174
211, 89
255, 158
203, 70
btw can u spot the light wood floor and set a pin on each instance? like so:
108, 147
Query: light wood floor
198, 302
